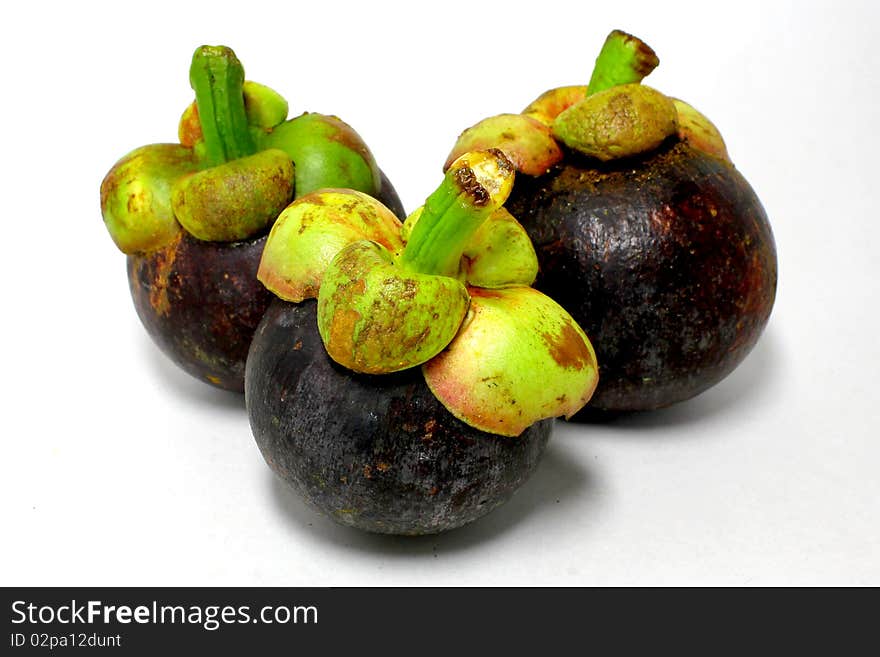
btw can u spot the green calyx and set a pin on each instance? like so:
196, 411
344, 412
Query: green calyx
525, 140
394, 296
619, 122
376, 317
378, 313
613, 117
136, 196
327, 152
238, 164
264, 107
699, 131
234, 200
519, 357
618, 117
310, 232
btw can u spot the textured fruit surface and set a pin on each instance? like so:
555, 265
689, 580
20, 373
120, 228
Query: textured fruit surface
201, 301
375, 452
667, 262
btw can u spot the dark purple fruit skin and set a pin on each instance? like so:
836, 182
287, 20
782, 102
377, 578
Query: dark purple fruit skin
667, 262
379, 453
388, 197
201, 301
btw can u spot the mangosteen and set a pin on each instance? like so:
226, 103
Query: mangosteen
417, 392
644, 229
193, 217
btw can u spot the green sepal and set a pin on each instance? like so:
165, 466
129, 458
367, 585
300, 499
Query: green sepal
136, 196
263, 106
235, 200
310, 232
527, 142
550, 104
376, 318
499, 253
620, 122
328, 154
518, 358
699, 131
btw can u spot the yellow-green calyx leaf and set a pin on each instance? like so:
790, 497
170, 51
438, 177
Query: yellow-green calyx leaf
136, 196
550, 104
698, 131
264, 107
235, 200
518, 358
312, 230
499, 254
620, 122
327, 153
376, 318
527, 142
379, 313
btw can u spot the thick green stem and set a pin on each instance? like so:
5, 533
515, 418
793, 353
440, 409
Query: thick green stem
474, 187
217, 77
624, 59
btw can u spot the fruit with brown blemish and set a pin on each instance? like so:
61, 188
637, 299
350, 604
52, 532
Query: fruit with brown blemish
646, 233
193, 217
350, 420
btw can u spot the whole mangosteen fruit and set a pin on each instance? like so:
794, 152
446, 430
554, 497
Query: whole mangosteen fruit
415, 394
193, 217
645, 231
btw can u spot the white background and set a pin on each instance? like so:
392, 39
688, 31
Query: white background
118, 469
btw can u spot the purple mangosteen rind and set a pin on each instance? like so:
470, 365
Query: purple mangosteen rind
379, 453
667, 261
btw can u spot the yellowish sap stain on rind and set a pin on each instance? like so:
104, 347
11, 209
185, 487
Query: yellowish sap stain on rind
163, 262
